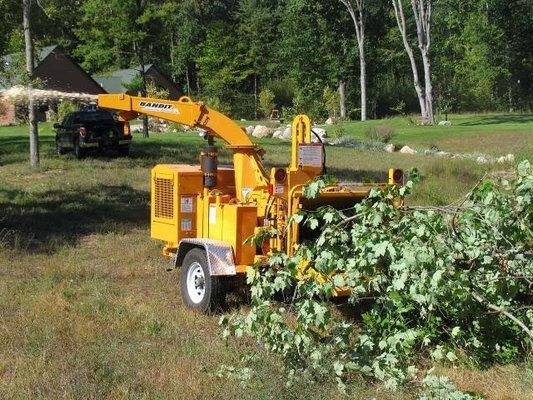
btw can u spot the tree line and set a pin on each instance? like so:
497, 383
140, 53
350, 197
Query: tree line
345, 58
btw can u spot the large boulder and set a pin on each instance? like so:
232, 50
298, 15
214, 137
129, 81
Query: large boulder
407, 150
286, 134
261, 131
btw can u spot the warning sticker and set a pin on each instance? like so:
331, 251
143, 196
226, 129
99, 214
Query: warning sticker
245, 192
186, 204
279, 189
310, 155
212, 214
186, 224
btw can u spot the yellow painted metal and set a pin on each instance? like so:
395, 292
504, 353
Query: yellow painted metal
245, 199
249, 172
174, 202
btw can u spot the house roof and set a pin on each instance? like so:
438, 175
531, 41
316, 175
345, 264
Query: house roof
40, 55
10, 65
116, 81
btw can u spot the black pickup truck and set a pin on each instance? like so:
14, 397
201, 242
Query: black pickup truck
83, 131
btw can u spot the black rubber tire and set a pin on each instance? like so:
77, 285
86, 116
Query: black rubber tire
78, 151
213, 295
124, 151
59, 150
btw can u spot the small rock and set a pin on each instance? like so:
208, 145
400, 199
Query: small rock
389, 148
443, 154
502, 160
249, 129
510, 158
482, 160
277, 134
261, 131
407, 150
136, 128
321, 134
329, 121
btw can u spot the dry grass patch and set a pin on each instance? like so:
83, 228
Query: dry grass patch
510, 382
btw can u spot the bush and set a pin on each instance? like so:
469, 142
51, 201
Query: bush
63, 109
331, 102
156, 92
381, 133
266, 101
218, 105
354, 114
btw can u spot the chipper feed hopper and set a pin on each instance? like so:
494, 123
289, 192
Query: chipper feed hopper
204, 213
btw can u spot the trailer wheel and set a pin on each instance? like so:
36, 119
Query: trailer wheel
199, 290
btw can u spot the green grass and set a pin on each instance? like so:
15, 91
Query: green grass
495, 134
87, 309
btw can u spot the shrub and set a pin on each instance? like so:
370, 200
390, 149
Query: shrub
218, 105
399, 108
354, 114
63, 109
331, 102
266, 101
152, 90
381, 133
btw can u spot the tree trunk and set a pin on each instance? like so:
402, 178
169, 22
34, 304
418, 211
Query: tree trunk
144, 93
198, 91
362, 66
358, 17
422, 14
428, 88
342, 98
32, 118
140, 55
400, 20
188, 80
255, 95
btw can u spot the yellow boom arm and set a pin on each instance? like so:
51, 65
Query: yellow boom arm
250, 174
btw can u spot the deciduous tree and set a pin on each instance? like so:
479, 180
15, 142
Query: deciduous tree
422, 15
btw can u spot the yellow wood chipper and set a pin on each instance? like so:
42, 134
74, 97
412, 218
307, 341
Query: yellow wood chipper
204, 213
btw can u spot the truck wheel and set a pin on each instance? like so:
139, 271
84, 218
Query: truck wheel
199, 290
124, 150
78, 151
59, 150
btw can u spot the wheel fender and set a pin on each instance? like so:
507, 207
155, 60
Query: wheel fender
219, 255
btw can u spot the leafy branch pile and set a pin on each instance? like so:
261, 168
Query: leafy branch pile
449, 284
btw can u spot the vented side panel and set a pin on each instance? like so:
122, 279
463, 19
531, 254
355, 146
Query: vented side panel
164, 198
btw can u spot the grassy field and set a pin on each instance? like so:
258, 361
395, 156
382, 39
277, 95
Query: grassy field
87, 309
